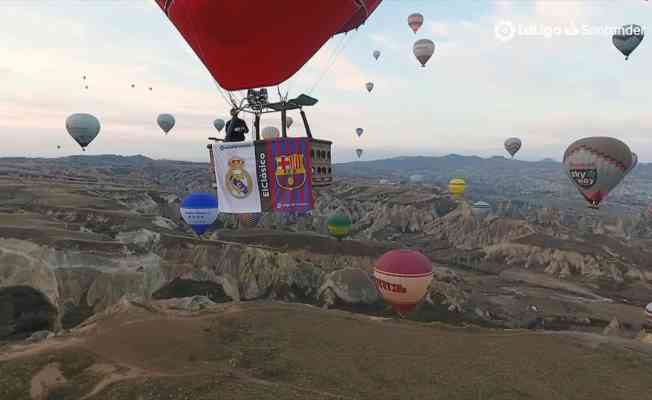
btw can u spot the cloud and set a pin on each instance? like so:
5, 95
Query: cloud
475, 91
440, 29
384, 42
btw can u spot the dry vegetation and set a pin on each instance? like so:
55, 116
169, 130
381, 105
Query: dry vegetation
279, 351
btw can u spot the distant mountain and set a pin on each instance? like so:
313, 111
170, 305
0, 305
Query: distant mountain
498, 178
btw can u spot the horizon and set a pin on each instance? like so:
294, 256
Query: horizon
397, 157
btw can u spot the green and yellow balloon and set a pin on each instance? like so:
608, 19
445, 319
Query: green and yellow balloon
339, 226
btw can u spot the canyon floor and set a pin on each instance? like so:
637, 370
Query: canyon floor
269, 350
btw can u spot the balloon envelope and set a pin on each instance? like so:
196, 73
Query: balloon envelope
480, 209
457, 187
270, 132
359, 131
237, 30
596, 165
628, 38
369, 86
416, 178
634, 163
423, 49
376, 54
513, 145
165, 122
415, 21
402, 278
199, 210
83, 128
339, 226
359, 152
288, 121
219, 124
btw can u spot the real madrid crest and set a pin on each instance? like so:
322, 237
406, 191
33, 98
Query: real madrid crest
238, 181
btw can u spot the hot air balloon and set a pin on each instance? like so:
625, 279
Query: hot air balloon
359, 131
133, 86
86, 87
199, 210
648, 312
83, 128
423, 49
634, 163
359, 152
457, 187
58, 147
270, 132
339, 226
219, 124
376, 54
596, 165
416, 178
402, 278
249, 220
628, 38
415, 21
279, 52
369, 86
165, 122
150, 88
288, 121
513, 145
480, 209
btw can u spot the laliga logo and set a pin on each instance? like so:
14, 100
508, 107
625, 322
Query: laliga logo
238, 180
505, 31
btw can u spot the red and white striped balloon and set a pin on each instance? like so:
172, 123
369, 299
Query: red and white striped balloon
403, 278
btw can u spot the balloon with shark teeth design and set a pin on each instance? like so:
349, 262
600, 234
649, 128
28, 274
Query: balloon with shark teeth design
596, 165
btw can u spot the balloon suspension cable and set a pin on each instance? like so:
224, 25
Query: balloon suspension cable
281, 96
362, 4
192, 32
221, 91
339, 49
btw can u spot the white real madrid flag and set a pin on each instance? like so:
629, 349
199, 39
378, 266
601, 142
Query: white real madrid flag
237, 183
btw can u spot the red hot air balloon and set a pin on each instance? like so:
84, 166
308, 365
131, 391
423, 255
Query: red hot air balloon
247, 44
402, 278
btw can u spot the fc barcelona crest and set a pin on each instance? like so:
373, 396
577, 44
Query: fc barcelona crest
290, 171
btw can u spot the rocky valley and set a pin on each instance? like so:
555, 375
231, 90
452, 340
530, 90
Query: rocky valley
80, 236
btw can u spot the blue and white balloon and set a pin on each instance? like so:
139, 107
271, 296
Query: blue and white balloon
199, 210
481, 209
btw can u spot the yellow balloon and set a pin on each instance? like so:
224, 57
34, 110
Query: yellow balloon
456, 187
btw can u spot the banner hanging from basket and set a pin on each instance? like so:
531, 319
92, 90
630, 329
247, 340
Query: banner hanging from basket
264, 176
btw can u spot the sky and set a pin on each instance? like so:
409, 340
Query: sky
544, 71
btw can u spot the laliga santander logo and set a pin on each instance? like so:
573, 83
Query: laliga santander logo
505, 31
